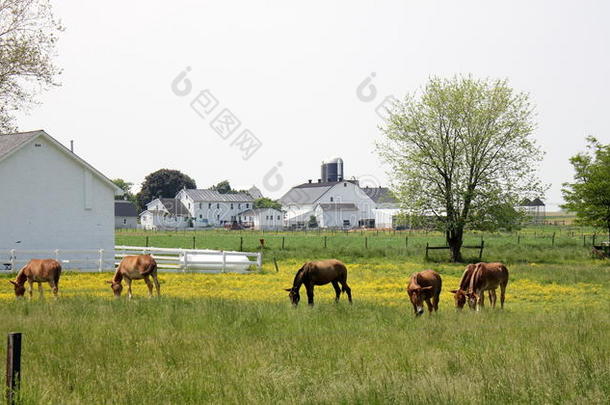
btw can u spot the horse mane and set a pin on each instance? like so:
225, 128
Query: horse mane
298, 277
21, 277
467, 276
475, 276
118, 276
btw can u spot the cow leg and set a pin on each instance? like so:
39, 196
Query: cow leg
149, 285
337, 290
31, 288
309, 289
128, 282
436, 300
481, 300
53, 287
156, 280
347, 290
40, 290
495, 298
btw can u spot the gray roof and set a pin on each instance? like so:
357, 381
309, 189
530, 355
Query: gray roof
11, 142
339, 207
380, 194
309, 193
255, 192
212, 195
174, 206
257, 211
125, 209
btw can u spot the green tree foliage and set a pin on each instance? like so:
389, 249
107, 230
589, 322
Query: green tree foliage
313, 222
164, 183
28, 34
126, 187
460, 149
267, 203
589, 195
223, 187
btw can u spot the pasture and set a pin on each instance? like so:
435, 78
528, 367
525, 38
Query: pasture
228, 338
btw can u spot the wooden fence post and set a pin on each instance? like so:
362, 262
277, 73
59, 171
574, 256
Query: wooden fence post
277, 269
584, 241
553, 239
481, 251
518, 239
13, 367
147, 241
283, 243
406, 242
594, 236
427, 246
366, 242
193, 242
324, 241
241, 243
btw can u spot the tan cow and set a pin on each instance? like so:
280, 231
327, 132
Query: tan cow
487, 277
425, 286
38, 271
320, 273
135, 268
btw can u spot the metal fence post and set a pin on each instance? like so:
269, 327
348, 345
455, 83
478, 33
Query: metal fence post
101, 260
13, 259
224, 261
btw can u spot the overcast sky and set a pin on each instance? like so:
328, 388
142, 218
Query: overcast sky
289, 72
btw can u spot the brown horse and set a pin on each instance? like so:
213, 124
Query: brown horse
425, 286
39, 271
320, 273
135, 268
459, 295
487, 277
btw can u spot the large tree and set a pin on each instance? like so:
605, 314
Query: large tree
265, 202
164, 183
459, 151
589, 195
28, 34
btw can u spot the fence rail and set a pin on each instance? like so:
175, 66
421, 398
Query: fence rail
168, 260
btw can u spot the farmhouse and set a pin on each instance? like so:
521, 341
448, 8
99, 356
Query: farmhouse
51, 198
125, 214
164, 213
262, 218
211, 208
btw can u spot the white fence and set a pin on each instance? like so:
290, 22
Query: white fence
168, 260
195, 260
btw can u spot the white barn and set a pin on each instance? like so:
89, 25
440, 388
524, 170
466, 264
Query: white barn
52, 199
211, 208
262, 218
165, 213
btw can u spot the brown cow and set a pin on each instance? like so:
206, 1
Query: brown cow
487, 277
135, 268
459, 295
39, 271
424, 286
320, 273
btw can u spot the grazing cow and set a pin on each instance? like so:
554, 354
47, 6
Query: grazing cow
320, 273
39, 271
424, 286
135, 268
487, 277
459, 295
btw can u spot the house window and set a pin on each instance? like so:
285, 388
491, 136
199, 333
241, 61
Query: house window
278, 217
331, 199
218, 216
217, 206
231, 206
124, 221
344, 184
238, 206
210, 205
200, 216
199, 205
247, 205
346, 222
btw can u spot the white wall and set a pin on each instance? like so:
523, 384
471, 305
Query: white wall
125, 222
43, 202
213, 213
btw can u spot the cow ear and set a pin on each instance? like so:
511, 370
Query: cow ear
12, 282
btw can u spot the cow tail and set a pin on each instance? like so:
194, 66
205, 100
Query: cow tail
150, 269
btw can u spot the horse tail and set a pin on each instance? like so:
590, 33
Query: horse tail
57, 273
152, 267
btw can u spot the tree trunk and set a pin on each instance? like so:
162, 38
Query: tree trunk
454, 241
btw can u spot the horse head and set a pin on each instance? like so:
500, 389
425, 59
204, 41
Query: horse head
417, 296
472, 299
117, 287
459, 297
19, 288
294, 295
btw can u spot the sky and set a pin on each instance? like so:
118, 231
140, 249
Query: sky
261, 92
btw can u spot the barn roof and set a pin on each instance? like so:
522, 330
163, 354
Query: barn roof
380, 194
257, 211
125, 209
213, 195
11, 143
174, 206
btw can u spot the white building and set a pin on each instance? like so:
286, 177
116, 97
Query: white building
52, 199
125, 215
165, 213
341, 204
262, 219
211, 208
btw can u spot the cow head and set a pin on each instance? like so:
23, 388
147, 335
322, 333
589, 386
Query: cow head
294, 295
19, 288
472, 299
459, 296
417, 296
116, 287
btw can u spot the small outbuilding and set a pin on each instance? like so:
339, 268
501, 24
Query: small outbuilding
125, 215
262, 218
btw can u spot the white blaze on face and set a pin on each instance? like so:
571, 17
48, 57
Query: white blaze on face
420, 309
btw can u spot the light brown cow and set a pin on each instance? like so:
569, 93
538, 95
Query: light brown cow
320, 273
38, 271
425, 286
135, 268
487, 277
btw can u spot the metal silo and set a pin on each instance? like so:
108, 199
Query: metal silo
332, 170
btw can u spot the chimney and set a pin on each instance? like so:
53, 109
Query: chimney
309, 181
72, 146
319, 180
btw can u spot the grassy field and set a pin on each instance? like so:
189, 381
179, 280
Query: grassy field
230, 338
